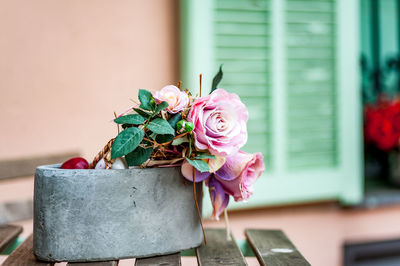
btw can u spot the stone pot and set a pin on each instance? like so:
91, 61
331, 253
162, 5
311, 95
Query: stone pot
96, 215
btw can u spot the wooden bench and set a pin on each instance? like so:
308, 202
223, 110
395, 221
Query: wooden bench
12, 170
271, 247
15, 168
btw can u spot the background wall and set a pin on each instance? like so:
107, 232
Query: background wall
66, 66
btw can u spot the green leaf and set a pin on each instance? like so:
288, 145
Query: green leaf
200, 165
141, 112
217, 79
164, 138
205, 156
179, 141
161, 126
134, 119
174, 120
138, 156
160, 107
153, 136
126, 142
145, 98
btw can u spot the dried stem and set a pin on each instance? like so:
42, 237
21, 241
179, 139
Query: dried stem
115, 115
201, 77
227, 226
197, 205
155, 144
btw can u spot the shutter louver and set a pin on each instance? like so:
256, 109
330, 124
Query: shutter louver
311, 95
242, 45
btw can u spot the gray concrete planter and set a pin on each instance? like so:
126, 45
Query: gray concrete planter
94, 215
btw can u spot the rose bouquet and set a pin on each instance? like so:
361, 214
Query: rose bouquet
172, 127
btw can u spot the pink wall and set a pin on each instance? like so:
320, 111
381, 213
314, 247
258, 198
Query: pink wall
67, 65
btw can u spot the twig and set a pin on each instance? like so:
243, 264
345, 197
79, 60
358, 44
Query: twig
115, 115
201, 76
227, 226
170, 151
169, 142
160, 163
197, 205
155, 144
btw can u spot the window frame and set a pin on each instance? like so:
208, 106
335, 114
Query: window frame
344, 182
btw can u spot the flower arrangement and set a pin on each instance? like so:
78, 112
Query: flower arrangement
382, 123
202, 134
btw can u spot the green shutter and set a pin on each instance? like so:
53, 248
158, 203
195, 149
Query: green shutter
242, 44
310, 84
294, 63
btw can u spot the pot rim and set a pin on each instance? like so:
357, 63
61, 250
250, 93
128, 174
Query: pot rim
56, 167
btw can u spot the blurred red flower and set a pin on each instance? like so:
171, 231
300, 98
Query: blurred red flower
382, 123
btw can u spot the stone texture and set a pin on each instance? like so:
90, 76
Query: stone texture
94, 215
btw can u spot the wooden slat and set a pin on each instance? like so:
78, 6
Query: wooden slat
167, 260
219, 251
16, 211
8, 233
23, 256
95, 263
272, 247
27, 166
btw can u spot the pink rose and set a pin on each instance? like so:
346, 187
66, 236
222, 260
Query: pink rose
177, 100
236, 178
239, 173
219, 123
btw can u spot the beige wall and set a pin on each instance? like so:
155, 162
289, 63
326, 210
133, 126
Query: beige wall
67, 65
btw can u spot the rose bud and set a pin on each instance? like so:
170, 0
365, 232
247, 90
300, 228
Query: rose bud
120, 163
177, 100
184, 126
75, 163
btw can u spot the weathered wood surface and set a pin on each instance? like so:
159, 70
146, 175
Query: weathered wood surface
167, 260
27, 166
23, 256
272, 247
8, 233
16, 211
96, 263
219, 251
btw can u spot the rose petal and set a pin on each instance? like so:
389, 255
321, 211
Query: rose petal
216, 163
219, 198
187, 172
241, 186
234, 166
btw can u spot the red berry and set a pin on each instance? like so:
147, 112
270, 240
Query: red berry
75, 163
